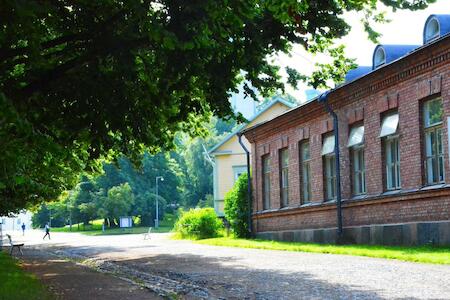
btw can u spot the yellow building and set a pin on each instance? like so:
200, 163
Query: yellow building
229, 158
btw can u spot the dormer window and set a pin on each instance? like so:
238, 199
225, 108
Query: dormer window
432, 30
380, 58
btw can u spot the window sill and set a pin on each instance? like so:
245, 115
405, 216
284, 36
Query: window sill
310, 204
358, 197
329, 201
392, 192
434, 186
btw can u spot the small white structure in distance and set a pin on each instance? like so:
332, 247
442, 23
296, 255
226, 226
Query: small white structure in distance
125, 222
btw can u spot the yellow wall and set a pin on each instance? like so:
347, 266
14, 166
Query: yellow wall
235, 156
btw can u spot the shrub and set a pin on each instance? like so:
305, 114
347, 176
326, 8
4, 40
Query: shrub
236, 207
199, 223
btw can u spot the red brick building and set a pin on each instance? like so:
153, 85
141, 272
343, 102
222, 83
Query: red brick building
393, 146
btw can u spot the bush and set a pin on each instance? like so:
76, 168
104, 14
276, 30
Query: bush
237, 209
199, 223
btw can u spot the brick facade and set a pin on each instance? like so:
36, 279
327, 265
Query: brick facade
403, 86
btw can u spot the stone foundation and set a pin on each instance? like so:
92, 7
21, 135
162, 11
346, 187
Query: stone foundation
408, 234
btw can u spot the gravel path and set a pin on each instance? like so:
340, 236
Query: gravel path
72, 281
200, 271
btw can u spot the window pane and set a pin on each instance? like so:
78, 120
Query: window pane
266, 181
305, 173
284, 174
330, 177
429, 143
433, 112
328, 145
306, 183
389, 125
305, 151
392, 161
284, 157
358, 171
356, 136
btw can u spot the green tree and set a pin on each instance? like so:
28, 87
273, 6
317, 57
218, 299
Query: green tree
118, 203
145, 208
84, 79
82, 201
237, 208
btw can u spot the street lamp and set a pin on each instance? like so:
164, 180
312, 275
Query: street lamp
157, 208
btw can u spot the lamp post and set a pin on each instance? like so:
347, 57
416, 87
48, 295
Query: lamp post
157, 208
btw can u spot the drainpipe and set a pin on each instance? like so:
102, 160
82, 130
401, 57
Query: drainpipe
249, 184
323, 98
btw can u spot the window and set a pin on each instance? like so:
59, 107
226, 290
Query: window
305, 172
284, 177
432, 30
379, 58
434, 156
329, 162
266, 162
389, 129
238, 171
356, 145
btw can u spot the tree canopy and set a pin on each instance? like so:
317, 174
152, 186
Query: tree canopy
80, 80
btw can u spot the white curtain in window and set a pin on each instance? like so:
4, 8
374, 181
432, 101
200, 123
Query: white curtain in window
389, 125
356, 136
328, 145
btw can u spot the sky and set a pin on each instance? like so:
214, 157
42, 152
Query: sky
405, 28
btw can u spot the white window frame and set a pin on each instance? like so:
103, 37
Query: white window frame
329, 166
431, 36
266, 184
284, 176
380, 58
358, 166
305, 172
358, 170
391, 144
433, 146
329, 161
238, 171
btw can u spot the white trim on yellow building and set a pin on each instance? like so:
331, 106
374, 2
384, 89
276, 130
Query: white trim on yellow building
229, 157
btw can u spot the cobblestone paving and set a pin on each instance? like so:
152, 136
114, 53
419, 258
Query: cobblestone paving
200, 271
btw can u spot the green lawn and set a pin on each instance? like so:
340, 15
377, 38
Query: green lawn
18, 284
95, 228
424, 254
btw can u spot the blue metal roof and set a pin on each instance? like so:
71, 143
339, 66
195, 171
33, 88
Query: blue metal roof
444, 25
393, 52
356, 73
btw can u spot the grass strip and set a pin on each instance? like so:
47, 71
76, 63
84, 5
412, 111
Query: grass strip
422, 254
15, 283
95, 228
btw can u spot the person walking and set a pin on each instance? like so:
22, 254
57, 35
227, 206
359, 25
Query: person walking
47, 231
23, 229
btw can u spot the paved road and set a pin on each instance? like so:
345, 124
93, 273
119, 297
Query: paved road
221, 272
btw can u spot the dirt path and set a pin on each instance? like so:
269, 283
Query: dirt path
71, 281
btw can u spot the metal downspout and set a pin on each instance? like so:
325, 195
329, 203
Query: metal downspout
249, 184
324, 99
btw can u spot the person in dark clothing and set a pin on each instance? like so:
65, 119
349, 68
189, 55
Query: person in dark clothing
23, 228
47, 231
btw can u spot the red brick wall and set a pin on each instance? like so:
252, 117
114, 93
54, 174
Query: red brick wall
413, 207
365, 100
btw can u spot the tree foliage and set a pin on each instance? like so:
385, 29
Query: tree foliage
88, 79
237, 208
199, 223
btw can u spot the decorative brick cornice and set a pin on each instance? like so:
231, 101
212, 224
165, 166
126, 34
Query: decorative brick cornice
422, 60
